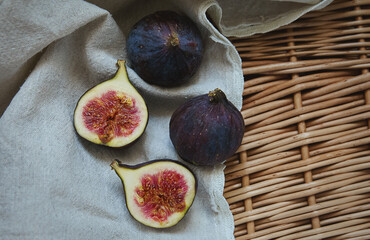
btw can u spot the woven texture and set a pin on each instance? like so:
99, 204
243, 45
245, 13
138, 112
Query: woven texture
302, 171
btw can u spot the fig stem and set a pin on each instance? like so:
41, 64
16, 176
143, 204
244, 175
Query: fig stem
121, 63
114, 165
118, 164
216, 95
173, 40
121, 70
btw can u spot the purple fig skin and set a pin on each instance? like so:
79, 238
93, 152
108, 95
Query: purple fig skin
165, 48
206, 130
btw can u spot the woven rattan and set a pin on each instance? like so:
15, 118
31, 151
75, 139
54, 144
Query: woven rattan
303, 170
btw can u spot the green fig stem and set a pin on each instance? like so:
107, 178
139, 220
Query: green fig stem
121, 63
121, 69
114, 165
217, 96
117, 164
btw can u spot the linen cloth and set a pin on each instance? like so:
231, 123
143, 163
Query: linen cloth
55, 185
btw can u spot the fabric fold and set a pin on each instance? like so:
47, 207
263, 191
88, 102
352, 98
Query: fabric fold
55, 185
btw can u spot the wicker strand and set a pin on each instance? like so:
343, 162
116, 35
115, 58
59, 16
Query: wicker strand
248, 201
303, 169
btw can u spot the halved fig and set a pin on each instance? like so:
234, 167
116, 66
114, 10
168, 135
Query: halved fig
112, 113
159, 192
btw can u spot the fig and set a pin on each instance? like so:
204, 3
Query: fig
165, 48
112, 113
159, 192
207, 129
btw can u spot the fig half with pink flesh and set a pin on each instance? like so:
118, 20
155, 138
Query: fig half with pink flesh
158, 193
112, 113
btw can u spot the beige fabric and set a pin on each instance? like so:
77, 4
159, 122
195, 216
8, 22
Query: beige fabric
55, 185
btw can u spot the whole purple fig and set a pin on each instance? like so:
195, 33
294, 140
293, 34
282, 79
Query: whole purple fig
165, 48
206, 130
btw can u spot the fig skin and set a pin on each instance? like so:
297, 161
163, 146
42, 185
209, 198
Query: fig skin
206, 130
121, 169
121, 84
165, 48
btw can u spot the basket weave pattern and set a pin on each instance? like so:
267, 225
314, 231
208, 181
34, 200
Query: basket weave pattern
303, 170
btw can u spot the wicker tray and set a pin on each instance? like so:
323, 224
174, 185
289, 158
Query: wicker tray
302, 171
